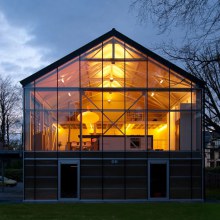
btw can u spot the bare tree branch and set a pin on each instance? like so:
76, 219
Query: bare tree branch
201, 52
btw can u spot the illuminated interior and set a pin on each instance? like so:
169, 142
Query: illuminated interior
112, 98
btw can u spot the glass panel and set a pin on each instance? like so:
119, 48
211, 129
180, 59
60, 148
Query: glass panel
179, 99
135, 123
113, 75
68, 130
45, 115
158, 128
108, 49
91, 74
45, 130
135, 131
91, 130
91, 120
68, 74
136, 74
68, 120
119, 50
47, 80
94, 53
135, 100
178, 81
29, 99
92, 100
158, 75
38, 131
113, 100
132, 53
46, 99
158, 100
196, 99
113, 123
113, 49
175, 130
68, 100
29, 130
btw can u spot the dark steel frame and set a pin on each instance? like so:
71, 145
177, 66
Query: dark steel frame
148, 53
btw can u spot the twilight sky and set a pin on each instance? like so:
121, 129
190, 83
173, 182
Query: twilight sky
35, 33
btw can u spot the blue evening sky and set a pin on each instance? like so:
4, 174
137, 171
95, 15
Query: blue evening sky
35, 33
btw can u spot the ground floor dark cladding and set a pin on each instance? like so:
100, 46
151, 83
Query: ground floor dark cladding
113, 176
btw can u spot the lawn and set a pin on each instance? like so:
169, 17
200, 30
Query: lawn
111, 211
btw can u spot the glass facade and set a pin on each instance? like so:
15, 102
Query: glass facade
112, 98
112, 123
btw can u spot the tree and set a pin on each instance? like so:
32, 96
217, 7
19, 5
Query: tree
10, 109
207, 67
200, 52
200, 17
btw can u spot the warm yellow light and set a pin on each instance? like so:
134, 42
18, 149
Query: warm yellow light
62, 79
161, 81
69, 94
119, 51
163, 127
59, 127
152, 94
90, 128
111, 74
109, 97
129, 126
88, 117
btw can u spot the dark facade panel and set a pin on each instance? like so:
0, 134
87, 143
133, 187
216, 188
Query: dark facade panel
46, 194
91, 193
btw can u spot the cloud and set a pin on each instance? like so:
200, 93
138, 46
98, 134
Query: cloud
19, 57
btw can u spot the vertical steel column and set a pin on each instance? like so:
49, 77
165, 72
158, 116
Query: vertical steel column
34, 141
168, 193
102, 129
125, 120
146, 126
57, 143
80, 111
191, 140
203, 141
23, 138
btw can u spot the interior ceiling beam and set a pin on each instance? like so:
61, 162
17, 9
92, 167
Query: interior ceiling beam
115, 60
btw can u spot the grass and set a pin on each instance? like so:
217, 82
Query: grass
180, 211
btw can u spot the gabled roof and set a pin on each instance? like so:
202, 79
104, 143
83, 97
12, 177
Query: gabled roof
112, 33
